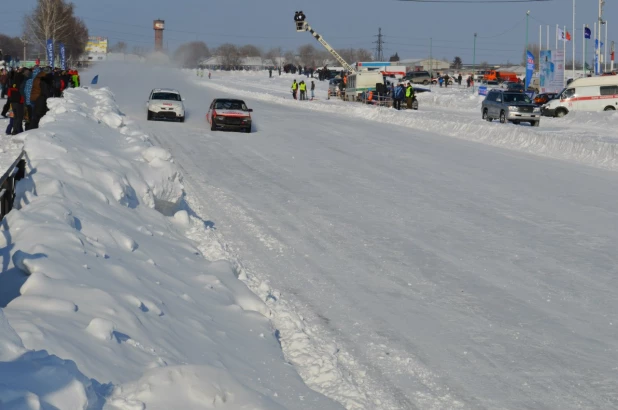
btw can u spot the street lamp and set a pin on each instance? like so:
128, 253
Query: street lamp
474, 64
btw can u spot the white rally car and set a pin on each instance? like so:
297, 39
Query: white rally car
165, 103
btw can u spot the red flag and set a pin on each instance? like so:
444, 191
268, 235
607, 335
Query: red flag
568, 36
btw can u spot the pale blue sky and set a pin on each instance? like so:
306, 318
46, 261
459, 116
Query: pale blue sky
407, 26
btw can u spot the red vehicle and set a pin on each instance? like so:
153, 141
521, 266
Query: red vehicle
226, 113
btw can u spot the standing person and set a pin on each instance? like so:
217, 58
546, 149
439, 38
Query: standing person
303, 90
270, 73
446, 78
279, 71
4, 82
398, 96
409, 96
17, 105
459, 79
312, 90
29, 105
294, 89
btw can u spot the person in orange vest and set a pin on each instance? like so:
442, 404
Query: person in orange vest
370, 97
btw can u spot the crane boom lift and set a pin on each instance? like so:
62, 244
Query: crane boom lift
302, 25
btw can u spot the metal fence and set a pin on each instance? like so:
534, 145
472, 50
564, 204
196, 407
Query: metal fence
14, 173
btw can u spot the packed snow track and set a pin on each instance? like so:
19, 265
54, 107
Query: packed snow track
428, 271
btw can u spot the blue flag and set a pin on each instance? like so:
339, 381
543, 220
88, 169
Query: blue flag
529, 68
587, 33
63, 57
50, 52
95, 80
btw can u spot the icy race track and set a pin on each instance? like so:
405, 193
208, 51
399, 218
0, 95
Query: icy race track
436, 262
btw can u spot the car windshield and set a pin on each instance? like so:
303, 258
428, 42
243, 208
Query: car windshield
516, 97
166, 96
230, 105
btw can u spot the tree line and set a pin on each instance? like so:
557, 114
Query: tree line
50, 19
188, 55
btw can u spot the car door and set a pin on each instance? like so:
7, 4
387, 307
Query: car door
497, 105
491, 98
209, 114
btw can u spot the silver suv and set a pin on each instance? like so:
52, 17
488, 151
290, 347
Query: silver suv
418, 77
510, 106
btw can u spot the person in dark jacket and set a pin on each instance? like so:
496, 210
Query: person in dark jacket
17, 100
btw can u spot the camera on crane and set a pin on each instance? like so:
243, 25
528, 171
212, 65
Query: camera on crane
299, 19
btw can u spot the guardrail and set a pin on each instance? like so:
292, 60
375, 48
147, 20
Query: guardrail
14, 173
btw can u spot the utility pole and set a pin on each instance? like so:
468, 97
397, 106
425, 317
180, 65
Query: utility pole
526, 46
430, 57
24, 40
474, 64
573, 37
379, 46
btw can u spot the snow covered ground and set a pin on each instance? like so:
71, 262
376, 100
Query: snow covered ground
107, 302
402, 260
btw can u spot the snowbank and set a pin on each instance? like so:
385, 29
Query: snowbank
98, 270
587, 138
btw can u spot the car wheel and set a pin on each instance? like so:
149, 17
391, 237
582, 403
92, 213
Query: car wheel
213, 127
248, 130
609, 108
561, 112
181, 119
149, 117
535, 123
502, 117
485, 116
425, 82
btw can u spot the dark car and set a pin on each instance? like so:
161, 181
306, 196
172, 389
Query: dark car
515, 87
544, 98
227, 113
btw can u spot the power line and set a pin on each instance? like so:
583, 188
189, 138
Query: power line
477, 1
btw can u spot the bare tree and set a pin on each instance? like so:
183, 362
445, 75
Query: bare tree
190, 54
75, 44
229, 55
363, 55
119, 47
249, 50
274, 54
307, 55
289, 57
394, 58
11, 46
457, 63
348, 54
140, 51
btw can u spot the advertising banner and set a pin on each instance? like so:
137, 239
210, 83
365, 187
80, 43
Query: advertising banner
529, 68
50, 52
551, 68
96, 45
63, 57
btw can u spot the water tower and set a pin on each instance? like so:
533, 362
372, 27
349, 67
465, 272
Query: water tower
159, 26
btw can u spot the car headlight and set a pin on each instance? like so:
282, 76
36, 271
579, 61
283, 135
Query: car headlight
513, 108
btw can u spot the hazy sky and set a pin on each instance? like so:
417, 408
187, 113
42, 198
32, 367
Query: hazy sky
407, 26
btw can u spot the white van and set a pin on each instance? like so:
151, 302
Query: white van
360, 82
585, 94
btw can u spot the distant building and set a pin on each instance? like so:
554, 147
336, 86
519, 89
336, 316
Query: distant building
425, 64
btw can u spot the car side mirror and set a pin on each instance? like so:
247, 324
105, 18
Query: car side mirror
250, 109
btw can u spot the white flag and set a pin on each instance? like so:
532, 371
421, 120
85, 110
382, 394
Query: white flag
560, 34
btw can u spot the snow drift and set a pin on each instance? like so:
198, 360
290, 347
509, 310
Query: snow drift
107, 303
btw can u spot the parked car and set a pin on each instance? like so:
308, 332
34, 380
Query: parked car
165, 103
418, 77
227, 113
508, 106
544, 98
516, 87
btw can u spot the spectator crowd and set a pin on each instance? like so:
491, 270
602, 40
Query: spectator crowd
27, 91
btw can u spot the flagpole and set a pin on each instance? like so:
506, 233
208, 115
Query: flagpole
557, 28
584, 53
594, 61
605, 50
540, 37
548, 46
573, 39
564, 54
